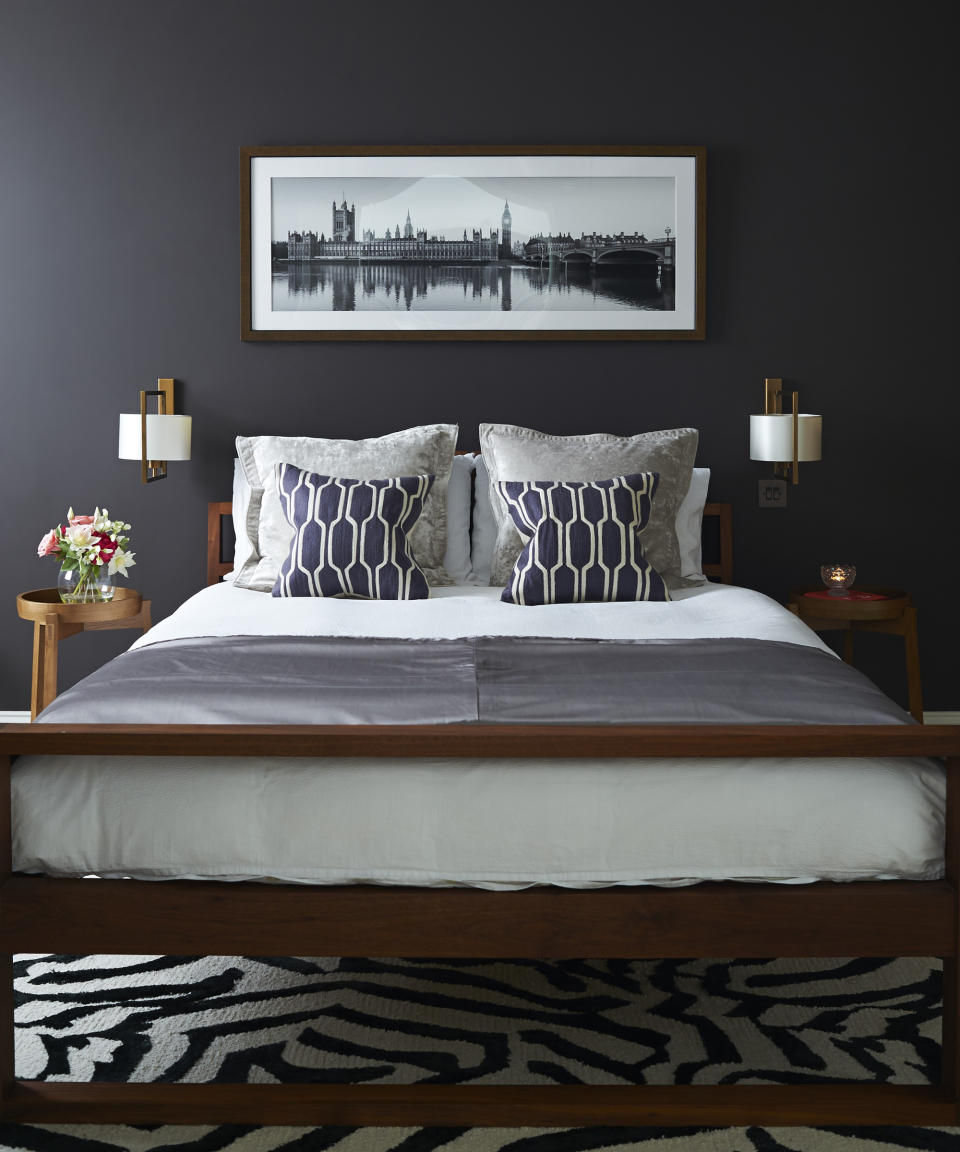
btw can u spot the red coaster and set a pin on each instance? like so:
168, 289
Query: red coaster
850, 594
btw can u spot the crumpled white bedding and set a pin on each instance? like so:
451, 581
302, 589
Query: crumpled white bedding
469, 610
484, 823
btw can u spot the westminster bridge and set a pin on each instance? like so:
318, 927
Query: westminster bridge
592, 250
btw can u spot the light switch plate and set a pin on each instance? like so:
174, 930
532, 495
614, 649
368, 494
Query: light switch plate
773, 492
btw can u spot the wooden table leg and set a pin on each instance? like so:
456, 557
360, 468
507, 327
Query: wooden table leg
36, 679
51, 640
848, 644
912, 646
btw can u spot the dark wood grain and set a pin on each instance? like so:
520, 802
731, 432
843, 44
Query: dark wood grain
895, 615
723, 569
5, 828
217, 567
528, 741
892, 918
246, 272
911, 645
7, 1062
950, 1042
520, 1105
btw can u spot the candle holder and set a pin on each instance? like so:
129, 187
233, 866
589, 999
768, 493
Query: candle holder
838, 577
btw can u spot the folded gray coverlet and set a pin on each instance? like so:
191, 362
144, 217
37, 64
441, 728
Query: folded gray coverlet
327, 680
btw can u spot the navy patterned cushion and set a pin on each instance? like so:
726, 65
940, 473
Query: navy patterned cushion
350, 536
582, 540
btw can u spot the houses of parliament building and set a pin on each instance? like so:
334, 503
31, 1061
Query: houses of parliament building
410, 246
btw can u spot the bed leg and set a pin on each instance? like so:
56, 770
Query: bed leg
7, 1069
951, 964
7, 1064
951, 1032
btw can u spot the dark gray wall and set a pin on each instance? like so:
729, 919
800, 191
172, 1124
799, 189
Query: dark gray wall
829, 216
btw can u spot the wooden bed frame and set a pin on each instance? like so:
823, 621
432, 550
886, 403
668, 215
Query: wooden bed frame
888, 918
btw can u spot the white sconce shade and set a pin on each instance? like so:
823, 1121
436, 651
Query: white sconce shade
771, 436
168, 437
153, 438
784, 438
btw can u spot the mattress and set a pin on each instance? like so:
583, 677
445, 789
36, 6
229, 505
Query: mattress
484, 823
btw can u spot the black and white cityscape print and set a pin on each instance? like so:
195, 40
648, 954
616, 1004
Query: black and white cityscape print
447, 243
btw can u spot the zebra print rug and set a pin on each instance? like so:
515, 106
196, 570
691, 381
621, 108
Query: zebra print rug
490, 1022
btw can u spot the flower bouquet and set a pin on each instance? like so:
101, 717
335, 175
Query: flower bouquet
91, 551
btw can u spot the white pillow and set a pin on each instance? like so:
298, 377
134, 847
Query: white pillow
483, 536
456, 559
690, 524
243, 545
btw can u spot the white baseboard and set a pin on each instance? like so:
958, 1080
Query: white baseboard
24, 717
941, 717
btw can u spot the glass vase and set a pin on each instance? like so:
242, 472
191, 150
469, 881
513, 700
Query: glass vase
86, 584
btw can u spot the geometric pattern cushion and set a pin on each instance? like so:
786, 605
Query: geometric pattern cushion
423, 451
350, 536
514, 453
582, 540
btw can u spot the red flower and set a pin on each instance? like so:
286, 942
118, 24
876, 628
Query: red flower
107, 546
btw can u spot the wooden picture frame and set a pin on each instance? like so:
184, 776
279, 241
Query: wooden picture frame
598, 243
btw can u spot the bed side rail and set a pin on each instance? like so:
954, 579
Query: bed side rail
534, 741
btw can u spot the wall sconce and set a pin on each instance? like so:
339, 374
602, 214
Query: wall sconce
785, 438
154, 438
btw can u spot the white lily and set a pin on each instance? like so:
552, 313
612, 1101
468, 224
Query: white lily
120, 562
80, 536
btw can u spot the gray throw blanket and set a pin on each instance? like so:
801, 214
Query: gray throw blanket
325, 680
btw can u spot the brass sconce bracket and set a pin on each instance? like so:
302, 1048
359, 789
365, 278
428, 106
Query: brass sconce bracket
154, 469
773, 395
773, 406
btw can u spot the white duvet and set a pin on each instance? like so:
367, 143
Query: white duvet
486, 823
464, 610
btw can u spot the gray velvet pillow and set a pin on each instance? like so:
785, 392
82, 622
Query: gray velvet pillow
512, 453
427, 450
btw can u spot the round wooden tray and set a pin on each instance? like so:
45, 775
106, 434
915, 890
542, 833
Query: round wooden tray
837, 608
43, 602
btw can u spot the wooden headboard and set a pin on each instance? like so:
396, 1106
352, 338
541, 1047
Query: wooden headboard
717, 526
718, 518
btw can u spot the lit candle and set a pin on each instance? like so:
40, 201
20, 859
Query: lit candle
838, 577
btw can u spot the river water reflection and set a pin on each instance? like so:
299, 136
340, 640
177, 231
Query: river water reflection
392, 287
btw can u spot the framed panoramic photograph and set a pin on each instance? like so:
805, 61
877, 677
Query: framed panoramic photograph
473, 243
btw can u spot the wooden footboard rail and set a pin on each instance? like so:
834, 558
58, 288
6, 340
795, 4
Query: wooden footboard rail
878, 918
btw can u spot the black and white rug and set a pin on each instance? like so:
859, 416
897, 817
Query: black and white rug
486, 1022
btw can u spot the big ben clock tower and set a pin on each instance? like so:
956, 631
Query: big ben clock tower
505, 222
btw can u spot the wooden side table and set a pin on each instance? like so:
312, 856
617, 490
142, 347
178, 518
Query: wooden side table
54, 621
882, 610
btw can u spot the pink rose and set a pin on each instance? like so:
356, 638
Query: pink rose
75, 520
48, 545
